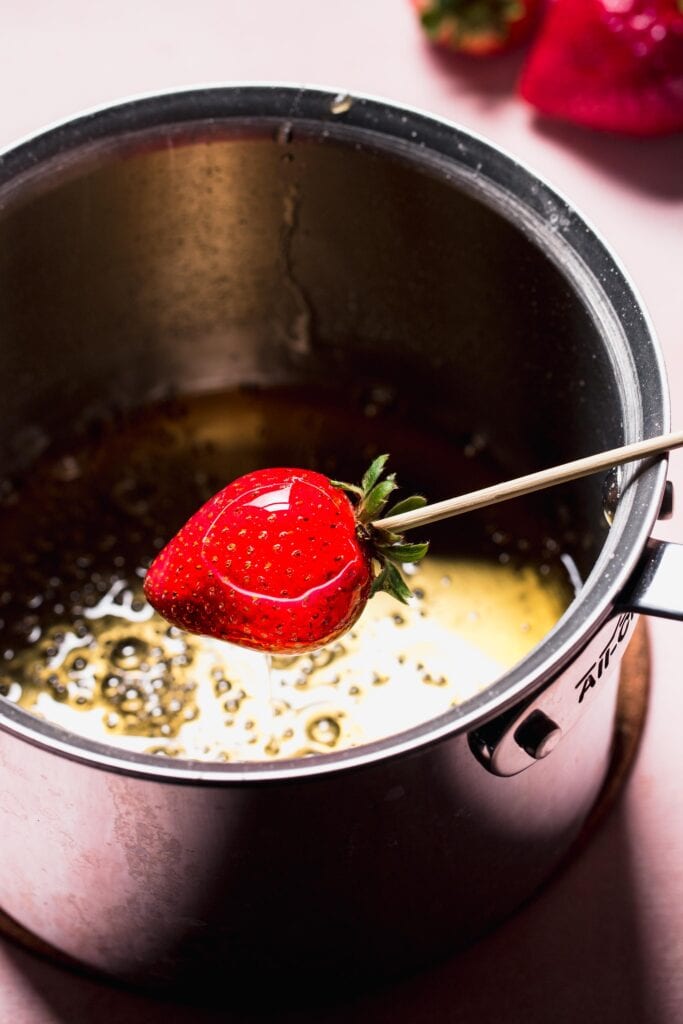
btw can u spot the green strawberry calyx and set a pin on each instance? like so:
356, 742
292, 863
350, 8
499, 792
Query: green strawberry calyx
465, 18
389, 550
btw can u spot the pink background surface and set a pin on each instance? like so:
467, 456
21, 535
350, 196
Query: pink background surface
605, 942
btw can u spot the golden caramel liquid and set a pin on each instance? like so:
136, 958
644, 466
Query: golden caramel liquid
82, 648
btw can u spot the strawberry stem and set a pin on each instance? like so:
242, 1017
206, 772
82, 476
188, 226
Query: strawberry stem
388, 549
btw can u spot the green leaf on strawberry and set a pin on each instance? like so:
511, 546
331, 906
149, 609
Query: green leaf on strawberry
477, 27
389, 549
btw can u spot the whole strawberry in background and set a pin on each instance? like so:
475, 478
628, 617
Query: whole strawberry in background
282, 560
615, 65
477, 27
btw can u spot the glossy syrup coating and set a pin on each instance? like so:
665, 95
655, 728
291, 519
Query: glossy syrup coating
272, 562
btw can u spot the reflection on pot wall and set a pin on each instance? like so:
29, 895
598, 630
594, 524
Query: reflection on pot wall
385, 864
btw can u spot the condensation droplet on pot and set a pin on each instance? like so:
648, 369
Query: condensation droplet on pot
475, 445
378, 398
284, 133
8, 493
341, 103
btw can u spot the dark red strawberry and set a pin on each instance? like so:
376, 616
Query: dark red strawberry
281, 560
477, 27
616, 65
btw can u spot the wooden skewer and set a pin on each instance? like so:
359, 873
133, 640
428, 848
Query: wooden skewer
532, 482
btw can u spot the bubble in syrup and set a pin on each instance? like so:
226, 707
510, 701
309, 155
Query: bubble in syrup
129, 652
431, 680
324, 730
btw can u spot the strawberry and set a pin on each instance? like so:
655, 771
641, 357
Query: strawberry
616, 65
282, 560
477, 27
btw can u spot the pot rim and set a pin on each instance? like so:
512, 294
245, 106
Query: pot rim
436, 146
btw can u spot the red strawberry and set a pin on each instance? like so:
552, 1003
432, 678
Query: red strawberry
281, 560
477, 27
610, 64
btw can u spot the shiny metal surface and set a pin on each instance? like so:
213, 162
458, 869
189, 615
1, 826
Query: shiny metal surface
657, 586
538, 735
355, 875
515, 741
238, 236
666, 509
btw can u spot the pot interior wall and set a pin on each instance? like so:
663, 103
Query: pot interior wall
186, 262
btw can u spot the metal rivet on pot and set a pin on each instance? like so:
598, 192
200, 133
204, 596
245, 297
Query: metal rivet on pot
538, 735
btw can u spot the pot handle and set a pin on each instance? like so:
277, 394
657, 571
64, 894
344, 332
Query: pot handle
519, 737
656, 586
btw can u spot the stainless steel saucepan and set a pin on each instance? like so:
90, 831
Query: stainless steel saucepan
268, 234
